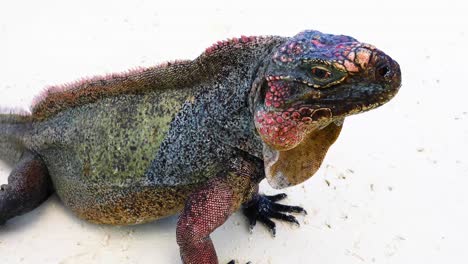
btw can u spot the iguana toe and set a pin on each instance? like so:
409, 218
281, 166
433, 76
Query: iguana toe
234, 262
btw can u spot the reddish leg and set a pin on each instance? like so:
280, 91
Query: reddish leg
211, 205
206, 210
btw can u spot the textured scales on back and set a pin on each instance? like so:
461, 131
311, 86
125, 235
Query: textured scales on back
195, 136
57, 98
169, 75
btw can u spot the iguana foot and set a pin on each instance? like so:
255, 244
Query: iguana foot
264, 207
234, 262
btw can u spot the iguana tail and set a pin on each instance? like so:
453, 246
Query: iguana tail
12, 131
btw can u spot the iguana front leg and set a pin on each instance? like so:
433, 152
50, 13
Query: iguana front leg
211, 205
205, 210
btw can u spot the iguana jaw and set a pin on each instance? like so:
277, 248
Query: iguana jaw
296, 139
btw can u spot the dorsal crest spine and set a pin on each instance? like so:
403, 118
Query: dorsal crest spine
58, 97
232, 41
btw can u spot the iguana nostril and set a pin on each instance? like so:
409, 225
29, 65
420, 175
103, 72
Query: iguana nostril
382, 71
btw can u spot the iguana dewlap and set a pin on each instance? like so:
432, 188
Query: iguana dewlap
194, 137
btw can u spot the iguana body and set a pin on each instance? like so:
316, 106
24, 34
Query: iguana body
201, 134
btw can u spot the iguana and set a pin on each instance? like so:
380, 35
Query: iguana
194, 137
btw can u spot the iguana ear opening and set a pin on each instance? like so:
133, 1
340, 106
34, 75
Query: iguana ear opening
291, 167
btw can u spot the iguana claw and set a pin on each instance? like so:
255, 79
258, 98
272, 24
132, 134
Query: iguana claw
264, 207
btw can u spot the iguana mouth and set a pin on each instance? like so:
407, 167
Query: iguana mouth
347, 100
361, 103
271, 78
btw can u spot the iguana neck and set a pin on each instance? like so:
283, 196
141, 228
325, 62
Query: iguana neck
234, 68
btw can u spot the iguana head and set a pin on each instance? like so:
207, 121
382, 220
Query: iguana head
311, 81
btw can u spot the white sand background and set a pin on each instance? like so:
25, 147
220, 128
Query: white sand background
398, 175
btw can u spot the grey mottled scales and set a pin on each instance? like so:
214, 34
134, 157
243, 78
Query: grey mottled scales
215, 125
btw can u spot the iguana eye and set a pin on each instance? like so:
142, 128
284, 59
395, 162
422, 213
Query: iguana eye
320, 73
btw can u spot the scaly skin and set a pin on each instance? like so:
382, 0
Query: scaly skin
194, 136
